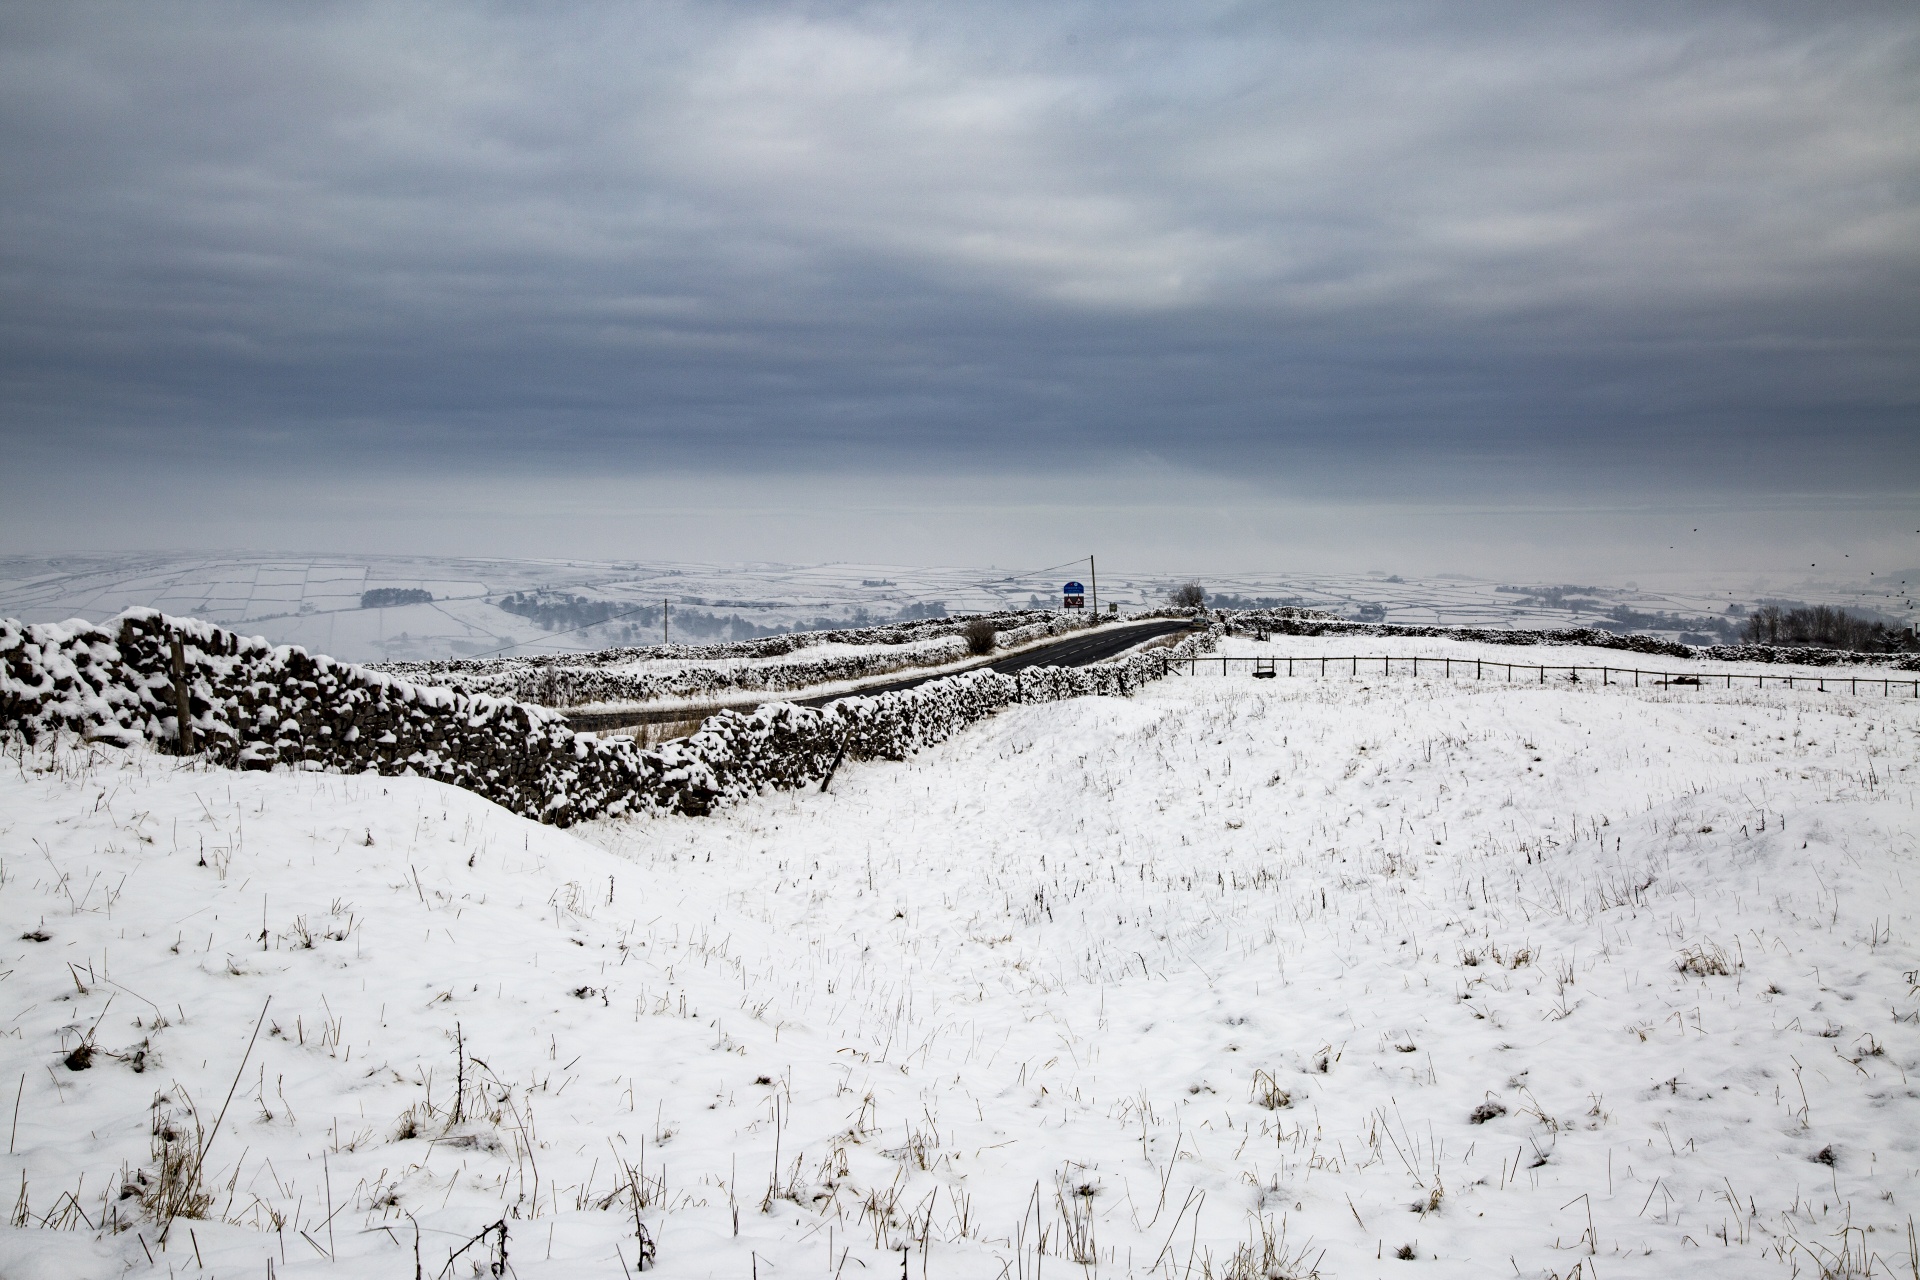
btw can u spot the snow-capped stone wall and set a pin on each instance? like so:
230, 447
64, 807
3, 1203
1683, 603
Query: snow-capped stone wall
580, 679
253, 705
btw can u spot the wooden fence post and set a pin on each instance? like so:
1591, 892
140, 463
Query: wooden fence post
183, 705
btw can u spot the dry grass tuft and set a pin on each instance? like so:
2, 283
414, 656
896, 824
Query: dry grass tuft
1704, 960
174, 1188
1268, 1093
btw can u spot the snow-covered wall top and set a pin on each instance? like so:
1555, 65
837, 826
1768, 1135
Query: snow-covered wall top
710, 671
249, 704
892, 633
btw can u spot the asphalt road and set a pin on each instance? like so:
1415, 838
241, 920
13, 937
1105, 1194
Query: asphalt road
1078, 650
1075, 651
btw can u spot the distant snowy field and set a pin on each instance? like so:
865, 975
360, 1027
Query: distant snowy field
1233, 978
314, 600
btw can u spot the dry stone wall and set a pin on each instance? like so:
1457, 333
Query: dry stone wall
579, 679
558, 685
251, 705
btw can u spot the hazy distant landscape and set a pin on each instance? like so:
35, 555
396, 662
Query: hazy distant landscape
489, 606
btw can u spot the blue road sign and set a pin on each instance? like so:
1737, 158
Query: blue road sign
1073, 589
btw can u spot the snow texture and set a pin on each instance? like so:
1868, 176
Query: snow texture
1230, 978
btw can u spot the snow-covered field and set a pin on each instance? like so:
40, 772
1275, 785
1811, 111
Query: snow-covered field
1364, 647
1233, 978
314, 600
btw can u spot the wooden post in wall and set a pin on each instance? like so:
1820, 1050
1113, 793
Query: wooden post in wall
183, 705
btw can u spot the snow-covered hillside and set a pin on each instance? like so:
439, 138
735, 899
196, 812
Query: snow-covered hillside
1231, 978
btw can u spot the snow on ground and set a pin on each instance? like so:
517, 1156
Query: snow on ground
1232, 978
1364, 647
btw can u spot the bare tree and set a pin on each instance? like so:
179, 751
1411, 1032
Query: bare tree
1820, 625
980, 636
1188, 595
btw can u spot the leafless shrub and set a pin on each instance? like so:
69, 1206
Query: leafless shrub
1188, 595
1819, 624
980, 636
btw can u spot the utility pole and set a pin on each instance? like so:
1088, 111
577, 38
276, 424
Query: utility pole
665, 609
1093, 576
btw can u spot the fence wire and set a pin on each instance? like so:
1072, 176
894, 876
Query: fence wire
1535, 673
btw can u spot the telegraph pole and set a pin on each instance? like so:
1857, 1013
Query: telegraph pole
1093, 576
665, 610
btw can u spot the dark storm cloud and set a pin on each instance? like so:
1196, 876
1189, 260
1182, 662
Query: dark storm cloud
1643, 242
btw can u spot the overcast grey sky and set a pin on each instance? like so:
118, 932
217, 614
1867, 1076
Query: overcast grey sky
1495, 288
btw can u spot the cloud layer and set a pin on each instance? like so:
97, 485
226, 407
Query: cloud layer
1363, 250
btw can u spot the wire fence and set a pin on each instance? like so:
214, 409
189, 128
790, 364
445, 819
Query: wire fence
1533, 673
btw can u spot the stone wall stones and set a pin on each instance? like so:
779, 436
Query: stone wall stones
252, 705
597, 677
